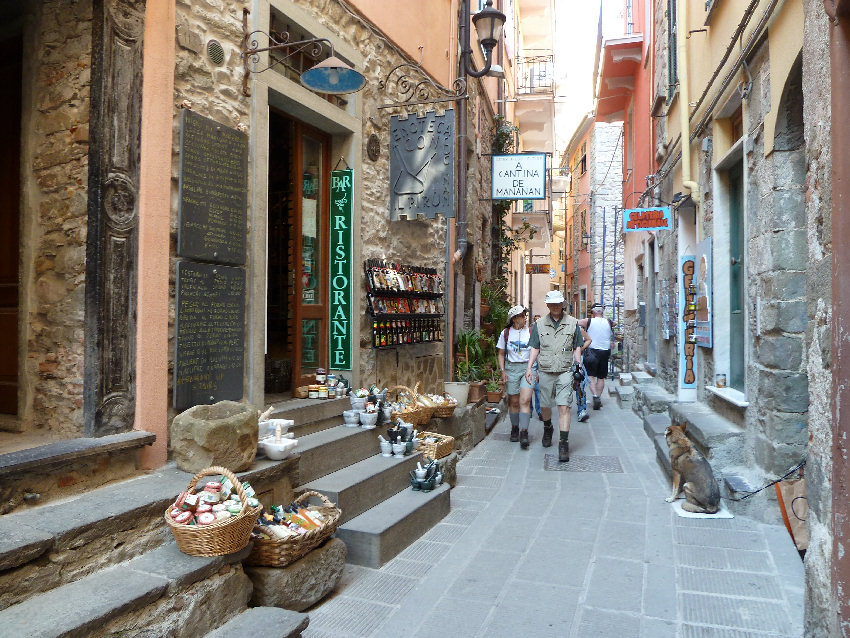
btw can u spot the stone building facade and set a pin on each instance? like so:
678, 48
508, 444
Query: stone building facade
749, 168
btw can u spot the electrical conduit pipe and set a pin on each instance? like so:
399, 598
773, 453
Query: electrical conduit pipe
684, 100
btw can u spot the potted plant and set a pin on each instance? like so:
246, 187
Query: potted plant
494, 391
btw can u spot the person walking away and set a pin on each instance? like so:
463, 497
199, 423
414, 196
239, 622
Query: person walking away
556, 340
513, 354
596, 358
536, 404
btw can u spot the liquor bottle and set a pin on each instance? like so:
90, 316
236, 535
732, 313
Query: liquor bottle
383, 334
376, 337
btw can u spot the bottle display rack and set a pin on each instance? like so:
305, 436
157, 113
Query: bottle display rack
405, 303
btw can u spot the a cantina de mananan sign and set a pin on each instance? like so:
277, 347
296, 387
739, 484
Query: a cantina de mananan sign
519, 176
342, 190
647, 219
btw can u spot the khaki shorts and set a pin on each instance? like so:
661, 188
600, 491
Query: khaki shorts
516, 376
556, 388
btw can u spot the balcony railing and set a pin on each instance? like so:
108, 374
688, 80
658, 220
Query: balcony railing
536, 74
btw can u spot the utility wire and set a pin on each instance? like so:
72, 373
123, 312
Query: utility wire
797, 467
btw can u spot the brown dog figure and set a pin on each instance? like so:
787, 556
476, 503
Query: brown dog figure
691, 474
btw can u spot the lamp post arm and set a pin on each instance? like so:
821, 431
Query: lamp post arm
467, 58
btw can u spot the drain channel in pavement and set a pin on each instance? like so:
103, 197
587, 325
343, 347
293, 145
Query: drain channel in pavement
606, 464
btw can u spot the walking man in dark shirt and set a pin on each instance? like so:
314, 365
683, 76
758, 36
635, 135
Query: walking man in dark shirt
556, 342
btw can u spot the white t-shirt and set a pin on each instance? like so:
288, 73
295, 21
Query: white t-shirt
599, 331
518, 350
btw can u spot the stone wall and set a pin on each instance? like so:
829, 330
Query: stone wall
420, 242
209, 90
820, 604
605, 163
57, 62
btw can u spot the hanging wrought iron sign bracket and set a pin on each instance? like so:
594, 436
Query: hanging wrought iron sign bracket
251, 50
415, 88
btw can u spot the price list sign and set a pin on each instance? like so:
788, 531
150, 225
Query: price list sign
209, 334
342, 190
213, 210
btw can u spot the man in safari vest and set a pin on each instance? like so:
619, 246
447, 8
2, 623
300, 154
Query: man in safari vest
556, 342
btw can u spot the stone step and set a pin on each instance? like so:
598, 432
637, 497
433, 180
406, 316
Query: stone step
655, 424
54, 544
269, 622
361, 486
312, 415
625, 379
639, 376
138, 593
45, 473
719, 439
624, 394
650, 398
663, 453
332, 449
381, 533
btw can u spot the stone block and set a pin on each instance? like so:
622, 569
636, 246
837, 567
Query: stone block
224, 434
791, 316
784, 353
301, 584
789, 391
785, 286
275, 623
789, 249
449, 465
784, 427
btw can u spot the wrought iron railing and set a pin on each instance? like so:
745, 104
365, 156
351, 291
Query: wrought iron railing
535, 74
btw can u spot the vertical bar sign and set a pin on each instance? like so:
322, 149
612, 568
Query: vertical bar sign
342, 190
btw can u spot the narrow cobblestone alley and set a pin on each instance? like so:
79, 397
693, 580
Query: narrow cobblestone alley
527, 551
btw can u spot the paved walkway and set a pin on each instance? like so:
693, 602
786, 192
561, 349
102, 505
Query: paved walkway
532, 552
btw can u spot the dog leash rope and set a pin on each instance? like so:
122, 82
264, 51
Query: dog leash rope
797, 467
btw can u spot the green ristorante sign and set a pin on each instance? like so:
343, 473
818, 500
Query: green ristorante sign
342, 189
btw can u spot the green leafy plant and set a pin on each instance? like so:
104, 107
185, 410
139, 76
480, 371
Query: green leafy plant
468, 343
466, 371
492, 386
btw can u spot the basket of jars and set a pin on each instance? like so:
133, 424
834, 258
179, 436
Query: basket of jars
285, 534
408, 408
436, 446
445, 405
216, 519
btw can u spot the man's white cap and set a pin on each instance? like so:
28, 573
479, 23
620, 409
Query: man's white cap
554, 296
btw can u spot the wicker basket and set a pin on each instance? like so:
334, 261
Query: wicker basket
443, 447
279, 552
224, 536
445, 411
415, 414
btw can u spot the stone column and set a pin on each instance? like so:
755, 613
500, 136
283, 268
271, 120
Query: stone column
112, 236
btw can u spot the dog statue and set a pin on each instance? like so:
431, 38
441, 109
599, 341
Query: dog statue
691, 474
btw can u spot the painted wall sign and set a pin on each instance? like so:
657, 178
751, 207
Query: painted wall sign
342, 190
537, 269
688, 313
422, 159
647, 219
702, 329
519, 176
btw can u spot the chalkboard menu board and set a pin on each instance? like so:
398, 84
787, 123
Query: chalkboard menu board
209, 334
212, 217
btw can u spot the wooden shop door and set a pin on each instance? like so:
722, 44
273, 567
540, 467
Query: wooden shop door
297, 321
10, 195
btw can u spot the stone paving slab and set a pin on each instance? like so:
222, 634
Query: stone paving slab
530, 552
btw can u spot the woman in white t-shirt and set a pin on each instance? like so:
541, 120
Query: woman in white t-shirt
514, 353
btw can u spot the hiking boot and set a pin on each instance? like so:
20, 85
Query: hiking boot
523, 439
547, 435
563, 451
582, 415
514, 433
597, 403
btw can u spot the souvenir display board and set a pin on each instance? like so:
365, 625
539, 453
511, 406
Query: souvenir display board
405, 302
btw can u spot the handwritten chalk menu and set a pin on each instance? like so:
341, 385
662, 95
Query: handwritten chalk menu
209, 334
212, 216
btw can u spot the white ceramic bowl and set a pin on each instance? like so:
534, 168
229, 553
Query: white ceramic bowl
358, 403
277, 451
369, 418
267, 428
